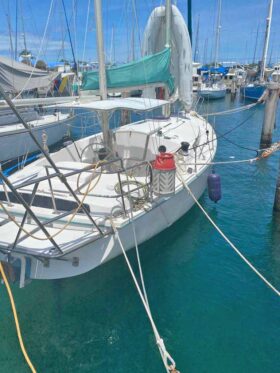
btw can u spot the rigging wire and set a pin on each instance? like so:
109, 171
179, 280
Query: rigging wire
224, 134
86, 31
232, 111
40, 49
253, 268
69, 34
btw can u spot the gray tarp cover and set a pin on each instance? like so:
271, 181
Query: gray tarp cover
15, 76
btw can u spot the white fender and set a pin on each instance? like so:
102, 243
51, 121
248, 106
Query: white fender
181, 51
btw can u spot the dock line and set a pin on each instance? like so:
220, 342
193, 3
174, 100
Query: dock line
167, 360
233, 111
225, 237
27, 359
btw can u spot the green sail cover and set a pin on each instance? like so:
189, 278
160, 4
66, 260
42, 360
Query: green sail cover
147, 70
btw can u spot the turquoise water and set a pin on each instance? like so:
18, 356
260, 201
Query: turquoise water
214, 314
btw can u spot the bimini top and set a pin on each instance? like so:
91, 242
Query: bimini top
130, 103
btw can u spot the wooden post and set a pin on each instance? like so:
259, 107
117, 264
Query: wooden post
276, 206
233, 87
271, 103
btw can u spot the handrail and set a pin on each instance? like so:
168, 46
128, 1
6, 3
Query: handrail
75, 172
41, 225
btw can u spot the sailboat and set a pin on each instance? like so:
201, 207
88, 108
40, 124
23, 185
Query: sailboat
17, 78
214, 89
255, 90
58, 215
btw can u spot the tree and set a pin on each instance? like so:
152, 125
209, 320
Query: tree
40, 64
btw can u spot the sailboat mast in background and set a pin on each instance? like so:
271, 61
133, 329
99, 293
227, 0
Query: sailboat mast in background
266, 41
107, 138
196, 46
218, 32
167, 23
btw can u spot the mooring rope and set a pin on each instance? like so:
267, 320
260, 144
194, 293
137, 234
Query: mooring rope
131, 218
232, 111
27, 359
168, 361
266, 153
180, 177
250, 160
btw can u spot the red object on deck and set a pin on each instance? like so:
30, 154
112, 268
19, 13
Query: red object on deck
164, 161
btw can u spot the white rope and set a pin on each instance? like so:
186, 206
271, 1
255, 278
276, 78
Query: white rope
250, 160
226, 238
231, 111
168, 361
131, 218
40, 50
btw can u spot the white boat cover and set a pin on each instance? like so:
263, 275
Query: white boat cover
181, 51
130, 103
16, 76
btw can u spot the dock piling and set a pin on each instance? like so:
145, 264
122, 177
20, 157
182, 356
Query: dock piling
271, 103
276, 206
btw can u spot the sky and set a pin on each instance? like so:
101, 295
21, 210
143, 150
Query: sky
44, 26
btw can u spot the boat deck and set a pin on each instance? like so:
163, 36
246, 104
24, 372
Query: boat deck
99, 190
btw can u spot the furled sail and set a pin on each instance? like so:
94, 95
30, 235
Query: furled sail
16, 76
148, 70
181, 51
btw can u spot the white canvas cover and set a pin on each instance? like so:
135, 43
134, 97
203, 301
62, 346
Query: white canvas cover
181, 51
129, 103
16, 76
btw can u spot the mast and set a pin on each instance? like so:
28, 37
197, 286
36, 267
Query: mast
107, 138
218, 31
190, 19
132, 45
112, 47
266, 40
16, 31
70, 39
167, 23
23, 29
205, 51
196, 48
256, 44
10, 34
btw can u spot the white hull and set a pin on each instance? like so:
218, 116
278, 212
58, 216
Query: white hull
8, 117
82, 246
15, 140
146, 226
212, 94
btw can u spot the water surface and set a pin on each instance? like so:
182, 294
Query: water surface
214, 314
